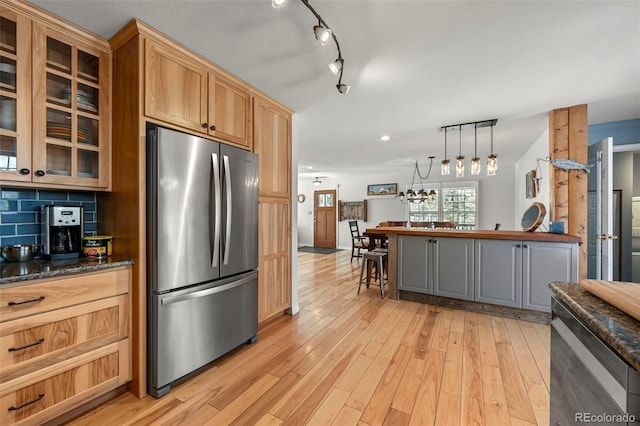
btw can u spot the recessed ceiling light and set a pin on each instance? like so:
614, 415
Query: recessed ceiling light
385, 138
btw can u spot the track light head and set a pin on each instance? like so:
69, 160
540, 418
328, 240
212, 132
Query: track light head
277, 3
343, 88
322, 34
336, 66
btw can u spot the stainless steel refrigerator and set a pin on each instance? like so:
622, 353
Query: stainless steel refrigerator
202, 253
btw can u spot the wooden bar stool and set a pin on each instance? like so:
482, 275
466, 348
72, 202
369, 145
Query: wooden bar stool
369, 260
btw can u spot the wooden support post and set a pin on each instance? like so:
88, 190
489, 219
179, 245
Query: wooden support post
568, 201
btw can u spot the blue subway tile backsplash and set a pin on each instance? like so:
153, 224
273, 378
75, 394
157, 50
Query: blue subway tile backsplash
20, 208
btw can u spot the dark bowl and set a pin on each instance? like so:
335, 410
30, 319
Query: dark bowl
19, 252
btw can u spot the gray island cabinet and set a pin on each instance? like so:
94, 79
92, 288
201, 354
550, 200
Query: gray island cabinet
518, 273
440, 266
504, 269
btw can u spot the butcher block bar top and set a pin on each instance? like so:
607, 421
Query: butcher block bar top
479, 234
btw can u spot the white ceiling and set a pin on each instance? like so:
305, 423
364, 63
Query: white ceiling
413, 66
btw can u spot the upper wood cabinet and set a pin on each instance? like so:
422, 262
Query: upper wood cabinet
272, 142
55, 103
186, 93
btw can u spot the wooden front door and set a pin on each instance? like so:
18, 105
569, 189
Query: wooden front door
324, 218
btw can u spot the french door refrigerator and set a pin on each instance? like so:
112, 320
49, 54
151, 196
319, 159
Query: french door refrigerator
202, 253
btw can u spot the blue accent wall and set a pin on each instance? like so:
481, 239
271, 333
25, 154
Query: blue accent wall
624, 132
20, 208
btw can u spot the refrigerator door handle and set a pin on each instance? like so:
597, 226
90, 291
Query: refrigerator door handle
218, 210
227, 179
208, 292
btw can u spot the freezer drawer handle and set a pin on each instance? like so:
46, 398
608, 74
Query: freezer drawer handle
12, 408
227, 242
36, 343
207, 292
37, 299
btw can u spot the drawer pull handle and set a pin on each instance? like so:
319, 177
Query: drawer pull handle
27, 403
38, 299
36, 343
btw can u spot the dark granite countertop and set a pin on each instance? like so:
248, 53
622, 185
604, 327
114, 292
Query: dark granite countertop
14, 273
619, 330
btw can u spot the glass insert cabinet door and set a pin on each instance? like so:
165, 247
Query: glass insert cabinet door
70, 111
15, 97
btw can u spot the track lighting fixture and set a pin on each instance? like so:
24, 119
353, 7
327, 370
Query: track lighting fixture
492, 163
336, 66
323, 33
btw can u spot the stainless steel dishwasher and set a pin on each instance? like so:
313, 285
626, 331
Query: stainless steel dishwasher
590, 383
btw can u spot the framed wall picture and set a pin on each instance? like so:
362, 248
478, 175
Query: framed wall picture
382, 189
531, 184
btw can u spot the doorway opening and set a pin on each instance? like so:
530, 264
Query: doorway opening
324, 218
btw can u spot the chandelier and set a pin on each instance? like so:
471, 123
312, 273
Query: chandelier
323, 33
421, 196
492, 159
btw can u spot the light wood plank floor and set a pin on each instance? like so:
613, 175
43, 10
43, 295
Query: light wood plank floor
360, 360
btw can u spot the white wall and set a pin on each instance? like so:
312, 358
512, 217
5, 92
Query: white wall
495, 206
539, 149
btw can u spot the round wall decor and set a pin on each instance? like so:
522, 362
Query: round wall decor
301, 198
533, 216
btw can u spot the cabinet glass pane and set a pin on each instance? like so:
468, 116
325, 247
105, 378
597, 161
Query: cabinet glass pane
58, 55
58, 90
87, 98
8, 113
58, 160
88, 131
7, 35
88, 66
87, 164
8, 74
58, 125
8, 153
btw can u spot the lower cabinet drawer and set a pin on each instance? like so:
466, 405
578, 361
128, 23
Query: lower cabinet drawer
47, 393
49, 294
33, 342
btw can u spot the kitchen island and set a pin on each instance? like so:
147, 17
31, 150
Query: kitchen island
499, 272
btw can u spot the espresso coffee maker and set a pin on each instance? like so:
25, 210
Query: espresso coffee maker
62, 229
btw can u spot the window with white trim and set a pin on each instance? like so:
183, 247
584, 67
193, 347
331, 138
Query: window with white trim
454, 202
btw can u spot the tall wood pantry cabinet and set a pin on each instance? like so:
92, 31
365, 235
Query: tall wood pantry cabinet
210, 103
55, 102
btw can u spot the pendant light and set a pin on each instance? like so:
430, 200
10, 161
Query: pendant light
492, 161
445, 165
475, 161
460, 158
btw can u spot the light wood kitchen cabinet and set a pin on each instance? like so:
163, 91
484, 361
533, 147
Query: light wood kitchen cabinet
63, 342
272, 143
274, 257
55, 111
15, 96
184, 92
